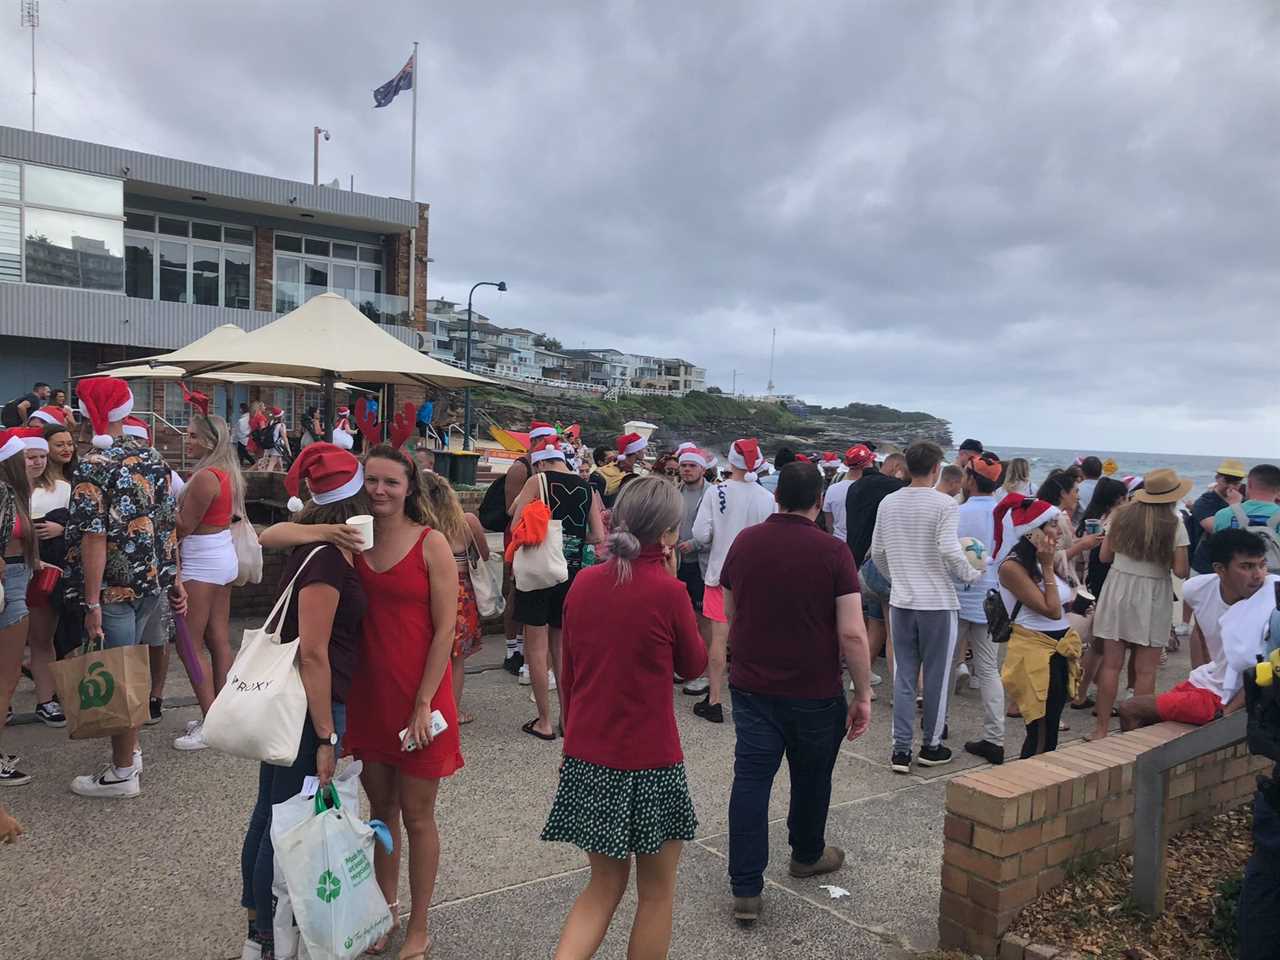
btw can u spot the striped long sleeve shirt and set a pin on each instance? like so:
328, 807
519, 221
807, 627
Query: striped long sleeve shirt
916, 546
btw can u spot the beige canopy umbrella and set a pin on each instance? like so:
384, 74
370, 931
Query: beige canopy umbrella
143, 371
326, 337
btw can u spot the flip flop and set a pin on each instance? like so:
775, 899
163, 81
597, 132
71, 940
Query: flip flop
529, 729
1088, 704
465, 718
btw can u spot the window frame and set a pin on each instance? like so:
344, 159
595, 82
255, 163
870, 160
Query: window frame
222, 246
331, 262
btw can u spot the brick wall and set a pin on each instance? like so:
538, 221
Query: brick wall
264, 239
1011, 832
396, 251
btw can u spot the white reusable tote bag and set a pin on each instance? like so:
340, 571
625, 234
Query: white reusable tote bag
248, 552
487, 585
260, 711
542, 565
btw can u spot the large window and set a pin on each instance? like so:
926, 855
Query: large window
60, 227
188, 261
308, 266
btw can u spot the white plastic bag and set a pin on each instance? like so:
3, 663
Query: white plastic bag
284, 817
258, 714
328, 867
248, 552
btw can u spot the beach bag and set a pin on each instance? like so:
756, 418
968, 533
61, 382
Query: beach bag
327, 861
248, 552
284, 817
538, 566
104, 692
999, 620
1269, 532
259, 713
486, 583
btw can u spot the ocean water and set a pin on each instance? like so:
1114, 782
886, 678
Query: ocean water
1199, 468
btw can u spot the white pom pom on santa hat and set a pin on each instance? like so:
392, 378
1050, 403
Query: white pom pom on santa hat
332, 474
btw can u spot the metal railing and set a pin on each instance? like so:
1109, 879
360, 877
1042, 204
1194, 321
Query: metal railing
382, 308
1151, 786
158, 421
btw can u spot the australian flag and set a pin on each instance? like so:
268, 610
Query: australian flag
401, 81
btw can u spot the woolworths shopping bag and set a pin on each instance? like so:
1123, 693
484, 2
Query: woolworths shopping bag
328, 866
103, 692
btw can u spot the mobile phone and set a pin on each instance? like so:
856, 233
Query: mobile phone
1093, 526
438, 726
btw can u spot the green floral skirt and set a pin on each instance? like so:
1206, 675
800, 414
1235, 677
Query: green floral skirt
620, 812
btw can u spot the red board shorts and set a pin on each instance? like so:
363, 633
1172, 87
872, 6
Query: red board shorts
713, 604
1187, 703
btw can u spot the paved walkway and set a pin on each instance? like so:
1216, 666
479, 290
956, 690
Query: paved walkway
158, 876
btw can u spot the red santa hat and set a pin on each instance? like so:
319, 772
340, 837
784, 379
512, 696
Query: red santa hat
1031, 515
332, 474
829, 460
32, 438
687, 445
1131, 483
11, 443
135, 427
745, 455
859, 457
691, 454
538, 430
104, 400
548, 448
50, 415
344, 411
630, 444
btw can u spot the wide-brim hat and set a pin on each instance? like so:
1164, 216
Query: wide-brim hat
1163, 486
1232, 468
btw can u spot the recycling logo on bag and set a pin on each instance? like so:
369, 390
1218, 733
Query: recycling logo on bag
96, 687
328, 887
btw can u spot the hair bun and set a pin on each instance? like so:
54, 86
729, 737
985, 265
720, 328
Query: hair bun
624, 545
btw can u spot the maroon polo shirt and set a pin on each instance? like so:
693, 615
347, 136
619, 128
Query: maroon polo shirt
785, 575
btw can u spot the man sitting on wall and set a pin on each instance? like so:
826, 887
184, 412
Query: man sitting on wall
1213, 689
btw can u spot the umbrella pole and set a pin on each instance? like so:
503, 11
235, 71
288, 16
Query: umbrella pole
330, 400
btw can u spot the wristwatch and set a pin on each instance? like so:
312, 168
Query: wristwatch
333, 739
91, 606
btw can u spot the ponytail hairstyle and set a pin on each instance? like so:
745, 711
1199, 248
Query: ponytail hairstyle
215, 435
13, 471
416, 507
645, 510
445, 508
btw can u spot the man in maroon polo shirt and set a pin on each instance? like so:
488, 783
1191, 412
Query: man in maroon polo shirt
791, 596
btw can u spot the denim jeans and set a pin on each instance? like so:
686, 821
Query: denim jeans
808, 733
124, 624
276, 785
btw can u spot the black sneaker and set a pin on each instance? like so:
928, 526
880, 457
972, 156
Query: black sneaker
155, 711
987, 750
709, 711
934, 756
513, 664
901, 761
50, 714
10, 775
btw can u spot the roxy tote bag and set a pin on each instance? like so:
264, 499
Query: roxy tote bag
261, 709
541, 565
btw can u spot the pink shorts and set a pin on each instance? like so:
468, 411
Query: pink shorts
713, 604
1187, 703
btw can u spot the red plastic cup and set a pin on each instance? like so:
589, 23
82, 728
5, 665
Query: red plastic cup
42, 585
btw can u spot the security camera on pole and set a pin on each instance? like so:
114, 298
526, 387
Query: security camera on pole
315, 154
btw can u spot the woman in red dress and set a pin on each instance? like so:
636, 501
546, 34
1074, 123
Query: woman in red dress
411, 581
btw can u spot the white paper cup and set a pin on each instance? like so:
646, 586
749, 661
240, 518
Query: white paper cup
364, 523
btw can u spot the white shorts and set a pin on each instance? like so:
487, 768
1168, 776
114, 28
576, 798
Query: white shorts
209, 558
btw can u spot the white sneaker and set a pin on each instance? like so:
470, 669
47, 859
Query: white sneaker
697, 687
523, 679
106, 784
137, 760
962, 674
876, 679
193, 739
974, 682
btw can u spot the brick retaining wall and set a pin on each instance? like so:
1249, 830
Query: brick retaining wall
1012, 832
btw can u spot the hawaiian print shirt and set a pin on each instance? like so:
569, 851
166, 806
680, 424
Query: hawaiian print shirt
124, 493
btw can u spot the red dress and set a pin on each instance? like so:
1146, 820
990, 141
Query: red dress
397, 635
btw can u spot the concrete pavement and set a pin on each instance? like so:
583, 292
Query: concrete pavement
158, 876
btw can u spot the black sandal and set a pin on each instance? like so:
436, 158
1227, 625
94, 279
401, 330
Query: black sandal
1087, 704
529, 729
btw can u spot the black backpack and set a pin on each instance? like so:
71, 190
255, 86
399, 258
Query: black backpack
492, 512
999, 620
265, 437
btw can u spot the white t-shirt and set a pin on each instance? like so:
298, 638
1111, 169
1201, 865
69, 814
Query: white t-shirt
242, 429
1203, 594
1035, 621
833, 503
43, 501
726, 510
977, 519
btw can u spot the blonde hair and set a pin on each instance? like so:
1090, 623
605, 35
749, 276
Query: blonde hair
1016, 474
645, 510
1144, 531
213, 432
445, 509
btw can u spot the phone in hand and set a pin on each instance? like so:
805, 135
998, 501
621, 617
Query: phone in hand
1092, 526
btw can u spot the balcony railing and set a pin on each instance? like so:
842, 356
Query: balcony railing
378, 307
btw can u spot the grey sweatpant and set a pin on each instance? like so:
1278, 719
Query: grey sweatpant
921, 638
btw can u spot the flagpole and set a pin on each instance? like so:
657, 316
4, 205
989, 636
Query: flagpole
413, 144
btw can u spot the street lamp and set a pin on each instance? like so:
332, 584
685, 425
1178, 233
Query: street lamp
466, 416
315, 153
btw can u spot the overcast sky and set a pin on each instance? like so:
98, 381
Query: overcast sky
1055, 224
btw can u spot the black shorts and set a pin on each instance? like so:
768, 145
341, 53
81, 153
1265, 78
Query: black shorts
542, 608
690, 575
